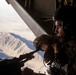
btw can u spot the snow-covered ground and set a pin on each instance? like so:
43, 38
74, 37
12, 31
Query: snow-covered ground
16, 37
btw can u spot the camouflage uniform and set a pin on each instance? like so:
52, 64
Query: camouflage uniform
71, 52
67, 15
66, 57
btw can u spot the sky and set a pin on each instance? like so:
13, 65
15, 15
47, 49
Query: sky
16, 38
12, 22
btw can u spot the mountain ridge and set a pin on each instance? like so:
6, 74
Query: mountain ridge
14, 47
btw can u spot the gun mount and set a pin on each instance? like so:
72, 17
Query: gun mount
13, 66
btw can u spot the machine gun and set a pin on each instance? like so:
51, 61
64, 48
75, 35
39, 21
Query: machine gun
13, 66
26, 57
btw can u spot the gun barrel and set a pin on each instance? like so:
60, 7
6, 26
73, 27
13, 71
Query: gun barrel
27, 56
